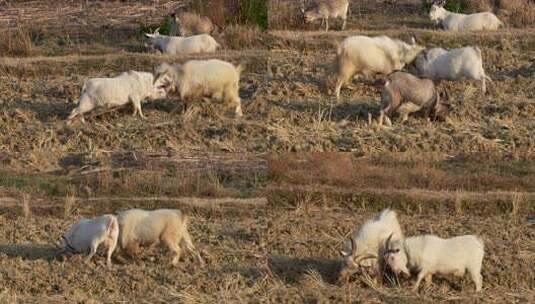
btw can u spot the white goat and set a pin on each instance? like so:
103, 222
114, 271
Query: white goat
129, 87
148, 228
462, 22
87, 234
362, 55
365, 247
174, 45
202, 78
454, 64
430, 254
326, 9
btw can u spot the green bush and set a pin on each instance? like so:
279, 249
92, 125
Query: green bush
253, 12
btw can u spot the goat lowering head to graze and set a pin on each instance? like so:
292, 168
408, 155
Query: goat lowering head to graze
187, 24
129, 87
325, 9
147, 228
463, 22
438, 64
87, 234
364, 250
174, 45
362, 55
404, 93
429, 254
212, 78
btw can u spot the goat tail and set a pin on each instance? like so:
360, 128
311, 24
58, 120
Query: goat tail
240, 68
338, 46
113, 224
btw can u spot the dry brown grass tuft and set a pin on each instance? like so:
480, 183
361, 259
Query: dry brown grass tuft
477, 5
69, 205
25, 205
16, 42
285, 14
242, 37
522, 12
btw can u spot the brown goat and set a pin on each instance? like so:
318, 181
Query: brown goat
405, 93
188, 24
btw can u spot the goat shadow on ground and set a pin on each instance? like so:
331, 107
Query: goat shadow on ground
292, 269
344, 110
29, 251
44, 111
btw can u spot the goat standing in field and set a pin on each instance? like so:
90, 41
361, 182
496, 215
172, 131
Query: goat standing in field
150, 227
325, 9
87, 234
463, 22
429, 254
365, 248
404, 93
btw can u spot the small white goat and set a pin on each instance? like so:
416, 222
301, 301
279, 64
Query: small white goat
202, 78
363, 55
129, 87
174, 45
326, 9
462, 22
365, 247
87, 234
454, 64
148, 228
430, 254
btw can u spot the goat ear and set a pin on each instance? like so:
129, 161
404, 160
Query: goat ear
413, 40
343, 253
425, 55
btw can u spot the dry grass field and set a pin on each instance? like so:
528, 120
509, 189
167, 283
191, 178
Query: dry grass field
272, 196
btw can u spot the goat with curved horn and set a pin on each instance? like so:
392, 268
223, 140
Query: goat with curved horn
363, 248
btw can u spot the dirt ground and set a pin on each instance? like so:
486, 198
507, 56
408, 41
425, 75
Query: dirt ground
268, 217
262, 253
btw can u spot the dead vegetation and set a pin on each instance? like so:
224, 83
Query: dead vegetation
262, 253
269, 226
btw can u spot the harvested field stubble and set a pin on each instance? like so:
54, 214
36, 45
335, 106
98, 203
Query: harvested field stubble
268, 226
261, 253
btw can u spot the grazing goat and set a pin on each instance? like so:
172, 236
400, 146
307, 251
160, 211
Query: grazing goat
453, 64
174, 45
202, 78
365, 247
87, 234
462, 22
405, 93
148, 228
430, 254
362, 55
129, 87
326, 9
187, 24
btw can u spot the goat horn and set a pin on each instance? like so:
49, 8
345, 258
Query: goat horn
365, 257
353, 246
387, 244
